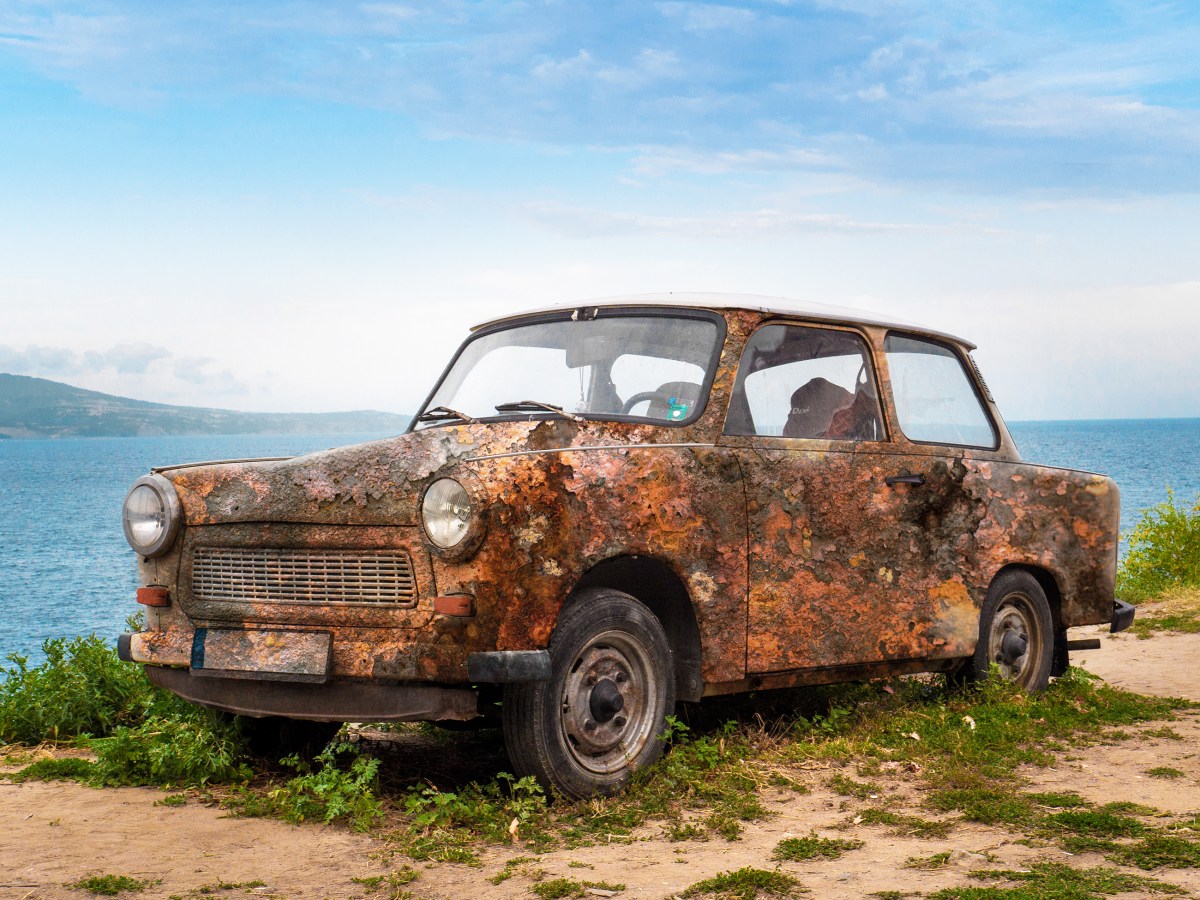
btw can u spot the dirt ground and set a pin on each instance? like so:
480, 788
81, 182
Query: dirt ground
52, 834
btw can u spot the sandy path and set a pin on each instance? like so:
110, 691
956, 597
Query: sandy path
52, 834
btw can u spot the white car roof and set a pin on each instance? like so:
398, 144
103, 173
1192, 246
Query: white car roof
776, 305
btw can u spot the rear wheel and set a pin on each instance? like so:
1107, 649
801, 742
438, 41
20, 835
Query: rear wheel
599, 717
1016, 632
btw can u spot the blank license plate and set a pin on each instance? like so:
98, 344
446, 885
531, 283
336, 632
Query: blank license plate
266, 655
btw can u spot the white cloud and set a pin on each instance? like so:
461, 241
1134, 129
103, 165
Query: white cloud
654, 162
707, 16
579, 222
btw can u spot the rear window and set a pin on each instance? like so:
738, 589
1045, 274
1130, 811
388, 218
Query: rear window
936, 402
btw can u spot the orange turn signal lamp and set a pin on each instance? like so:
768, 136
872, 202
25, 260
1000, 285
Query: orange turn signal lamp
461, 605
154, 596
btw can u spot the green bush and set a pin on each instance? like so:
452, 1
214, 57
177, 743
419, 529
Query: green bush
82, 688
1164, 551
190, 750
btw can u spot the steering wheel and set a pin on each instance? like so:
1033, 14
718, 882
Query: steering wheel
640, 397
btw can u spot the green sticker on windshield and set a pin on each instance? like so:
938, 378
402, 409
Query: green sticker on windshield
677, 411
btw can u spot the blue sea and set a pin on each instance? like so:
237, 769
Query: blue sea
65, 568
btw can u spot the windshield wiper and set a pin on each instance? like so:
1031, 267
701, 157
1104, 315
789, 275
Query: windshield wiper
531, 405
444, 414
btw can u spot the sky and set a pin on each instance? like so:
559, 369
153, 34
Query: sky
295, 206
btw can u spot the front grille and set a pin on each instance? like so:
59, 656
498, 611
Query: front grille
303, 576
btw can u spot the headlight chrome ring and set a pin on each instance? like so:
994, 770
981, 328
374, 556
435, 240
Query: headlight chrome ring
151, 515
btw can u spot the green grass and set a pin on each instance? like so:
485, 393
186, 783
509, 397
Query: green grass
987, 804
556, 888
745, 884
64, 768
1165, 772
935, 861
392, 884
111, 885
848, 787
1158, 850
812, 847
1054, 881
207, 890
512, 867
903, 824
1176, 610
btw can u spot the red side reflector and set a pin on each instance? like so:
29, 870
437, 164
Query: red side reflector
154, 596
454, 605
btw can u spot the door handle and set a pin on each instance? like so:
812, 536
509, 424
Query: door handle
906, 478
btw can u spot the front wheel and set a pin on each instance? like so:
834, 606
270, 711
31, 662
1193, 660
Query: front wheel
599, 717
1016, 632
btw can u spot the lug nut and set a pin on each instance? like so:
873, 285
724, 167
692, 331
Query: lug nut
620, 721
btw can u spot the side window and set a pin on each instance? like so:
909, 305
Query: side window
801, 382
935, 400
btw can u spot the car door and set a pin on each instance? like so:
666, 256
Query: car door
841, 570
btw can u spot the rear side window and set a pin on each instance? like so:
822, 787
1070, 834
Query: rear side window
936, 402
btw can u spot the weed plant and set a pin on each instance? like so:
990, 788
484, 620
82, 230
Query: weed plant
1164, 551
111, 885
324, 791
192, 749
745, 884
812, 847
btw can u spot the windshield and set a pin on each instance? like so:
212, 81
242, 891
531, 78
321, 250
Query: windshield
617, 365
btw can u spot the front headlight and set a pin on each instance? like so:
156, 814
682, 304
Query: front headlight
446, 513
151, 515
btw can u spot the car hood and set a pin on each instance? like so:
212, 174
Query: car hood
377, 483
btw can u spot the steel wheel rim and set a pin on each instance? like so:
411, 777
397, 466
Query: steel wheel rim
1015, 639
607, 705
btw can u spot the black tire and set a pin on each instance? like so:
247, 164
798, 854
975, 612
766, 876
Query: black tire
1016, 632
599, 717
274, 737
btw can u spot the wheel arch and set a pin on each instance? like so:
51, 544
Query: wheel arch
658, 587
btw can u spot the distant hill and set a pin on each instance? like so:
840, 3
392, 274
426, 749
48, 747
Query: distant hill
37, 407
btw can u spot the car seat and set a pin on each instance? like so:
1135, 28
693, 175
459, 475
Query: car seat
813, 408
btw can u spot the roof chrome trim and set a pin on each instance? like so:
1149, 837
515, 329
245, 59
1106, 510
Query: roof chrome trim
781, 306
572, 449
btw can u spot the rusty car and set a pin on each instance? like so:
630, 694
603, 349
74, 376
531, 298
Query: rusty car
604, 509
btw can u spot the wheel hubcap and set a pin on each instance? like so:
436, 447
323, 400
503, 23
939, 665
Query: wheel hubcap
608, 699
1014, 643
